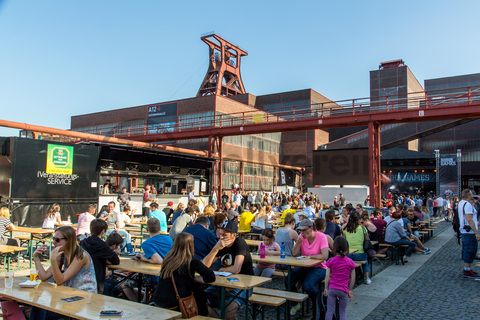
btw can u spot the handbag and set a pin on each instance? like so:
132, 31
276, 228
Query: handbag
187, 305
11, 311
367, 244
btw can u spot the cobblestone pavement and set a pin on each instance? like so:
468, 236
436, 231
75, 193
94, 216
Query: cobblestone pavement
435, 291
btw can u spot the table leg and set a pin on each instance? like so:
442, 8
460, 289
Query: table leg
8, 262
30, 250
289, 287
222, 303
140, 284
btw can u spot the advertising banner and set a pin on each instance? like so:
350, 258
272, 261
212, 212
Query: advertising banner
162, 118
44, 170
59, 159
448, 174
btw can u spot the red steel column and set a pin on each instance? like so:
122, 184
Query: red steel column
242, 180
374, 164
219, 170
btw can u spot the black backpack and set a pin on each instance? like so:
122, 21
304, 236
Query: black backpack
456, 221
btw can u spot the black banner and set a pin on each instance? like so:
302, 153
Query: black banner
162, 118
448, 174
32, 181
340, 167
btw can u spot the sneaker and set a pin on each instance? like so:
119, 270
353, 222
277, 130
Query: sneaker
295, 309
470, 274
427, 251
368, 281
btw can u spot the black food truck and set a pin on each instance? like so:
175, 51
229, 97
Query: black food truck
34, 174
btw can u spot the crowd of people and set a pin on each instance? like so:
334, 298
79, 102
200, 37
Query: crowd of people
187, 240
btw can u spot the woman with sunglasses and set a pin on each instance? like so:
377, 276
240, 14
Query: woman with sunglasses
71, 266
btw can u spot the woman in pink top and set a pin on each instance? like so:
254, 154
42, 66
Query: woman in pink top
340, 279
313, 244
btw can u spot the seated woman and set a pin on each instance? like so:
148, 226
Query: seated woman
315, 245
5, 224
396, 235
272, 248
180, 266
260, 220
321, 225
71, 266
53, 218
356, 233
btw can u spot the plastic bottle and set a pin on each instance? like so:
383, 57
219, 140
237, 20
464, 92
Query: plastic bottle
262, 251
282, 251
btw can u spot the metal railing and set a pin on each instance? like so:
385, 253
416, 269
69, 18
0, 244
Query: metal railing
349, 107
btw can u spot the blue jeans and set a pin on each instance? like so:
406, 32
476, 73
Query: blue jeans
469, 247
361, 257
42, 314
311, 279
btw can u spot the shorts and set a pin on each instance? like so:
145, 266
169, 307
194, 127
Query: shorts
469, 247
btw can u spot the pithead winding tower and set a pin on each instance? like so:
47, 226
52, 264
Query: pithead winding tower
223, 75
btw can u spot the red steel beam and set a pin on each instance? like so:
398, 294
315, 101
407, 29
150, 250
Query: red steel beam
374, 164
464, 111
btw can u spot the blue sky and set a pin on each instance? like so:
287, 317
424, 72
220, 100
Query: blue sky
62, 58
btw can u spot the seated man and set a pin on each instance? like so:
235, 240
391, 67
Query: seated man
100, 252
159, 215
154, 249
235, 257
204, 240
157, 246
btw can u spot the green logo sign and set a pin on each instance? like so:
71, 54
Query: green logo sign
59, 159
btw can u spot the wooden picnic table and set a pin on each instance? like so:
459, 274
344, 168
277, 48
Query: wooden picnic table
253, 243
49, 297
245, 282
132, 265
36, 234
6, 252
137, 267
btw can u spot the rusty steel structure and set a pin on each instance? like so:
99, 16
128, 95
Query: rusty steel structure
223, 75
416, 107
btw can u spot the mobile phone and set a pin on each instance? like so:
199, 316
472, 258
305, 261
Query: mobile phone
72, 299
111, 313
232, 279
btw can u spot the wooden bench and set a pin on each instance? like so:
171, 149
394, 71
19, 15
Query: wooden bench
266, 301
289, 296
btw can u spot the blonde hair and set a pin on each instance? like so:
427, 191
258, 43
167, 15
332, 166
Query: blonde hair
179, 256
4, 212
209, 210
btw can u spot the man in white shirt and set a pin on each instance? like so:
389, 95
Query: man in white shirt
438, 207
470, 236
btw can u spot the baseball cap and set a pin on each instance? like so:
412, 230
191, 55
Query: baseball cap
170, 203
230, 226
302, 213
305, 224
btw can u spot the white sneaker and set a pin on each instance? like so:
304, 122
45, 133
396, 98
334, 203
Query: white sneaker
368, 281
295, 309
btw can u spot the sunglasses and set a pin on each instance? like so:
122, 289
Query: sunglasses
57, 240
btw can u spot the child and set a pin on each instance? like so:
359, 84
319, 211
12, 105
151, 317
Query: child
271, 248
340, 279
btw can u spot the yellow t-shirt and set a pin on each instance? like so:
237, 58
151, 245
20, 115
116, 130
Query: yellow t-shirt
284, 214
244, 223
